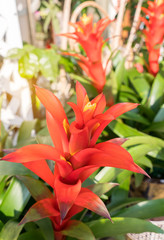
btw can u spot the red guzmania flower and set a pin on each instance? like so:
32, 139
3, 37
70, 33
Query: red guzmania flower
76, 157
89, 36
154, 32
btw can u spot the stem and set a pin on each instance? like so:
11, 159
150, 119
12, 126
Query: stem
133, 29
1, 99
63, 77
65, 19
83, 215
31, 22
119, 24
31, 83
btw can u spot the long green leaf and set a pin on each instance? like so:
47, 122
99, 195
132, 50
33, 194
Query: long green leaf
115, 206
25, 130
10, 231
120, 73
155, 127
144, 140
101, 188
37, 188
135, 117
144, 210
15, 199
104, 228
123, 130
11, 169
157, 93
141, 86
160, 115
107, 174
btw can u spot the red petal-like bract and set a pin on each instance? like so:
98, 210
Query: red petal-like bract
59, 136
41, 209
89, 36
51, 103
90, 200
76, 156
154, 33
41, 169
66, 194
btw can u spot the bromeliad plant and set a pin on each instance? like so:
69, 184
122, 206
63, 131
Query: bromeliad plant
89, 36
76, 156
154, 33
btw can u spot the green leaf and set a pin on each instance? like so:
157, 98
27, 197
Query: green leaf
139, 177
86, 82
121, 192
55, 24
144, 140
126, 97
155, 127
10, 231
28, 65
147, 112
48, 63
15, 199
3, 183
80, 79
107, 174
28, 48
78, 230
101, 188
15, 53
68, 65
31, 235
120, 73
43, 137
127, 89
123, 130
1, 225
141, 86
144, 161
115, 206
47, 23
156, 94
11, 168
3, 135
37, 188
46, 228
135, 117
144, 210
160, 115
25, 130
105, 228
140, 151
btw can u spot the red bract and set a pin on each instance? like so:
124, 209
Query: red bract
89, 36
154, 32
76, 156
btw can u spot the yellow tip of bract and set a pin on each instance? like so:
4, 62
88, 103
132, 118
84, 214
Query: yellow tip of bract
86, 19
89, 106
159, 2
66, 127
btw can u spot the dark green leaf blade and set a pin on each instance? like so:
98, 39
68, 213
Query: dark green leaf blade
78, 230
37, 188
